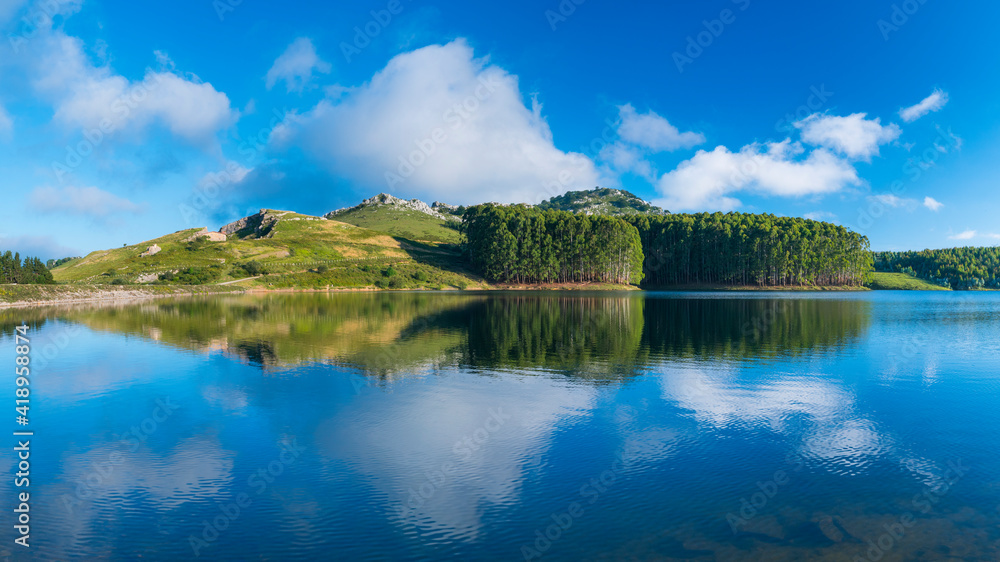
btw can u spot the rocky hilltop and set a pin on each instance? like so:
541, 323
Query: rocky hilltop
438, 210
261, 224
602, 201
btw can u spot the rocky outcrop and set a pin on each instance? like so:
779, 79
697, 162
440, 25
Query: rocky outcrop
251, 222
151, 251
386, 200
254, 226
204, 233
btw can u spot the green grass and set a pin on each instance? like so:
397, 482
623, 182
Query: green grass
901, 282
291, 254
405, 223
297, 242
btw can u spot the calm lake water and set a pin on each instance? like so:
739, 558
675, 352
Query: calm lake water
839, 426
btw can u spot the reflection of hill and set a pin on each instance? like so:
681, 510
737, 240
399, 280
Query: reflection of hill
587, 336
281, 330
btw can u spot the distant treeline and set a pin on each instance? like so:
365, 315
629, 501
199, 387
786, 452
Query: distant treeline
958, 268
30, 271
524, 244
54, 263
521, 244
745, 249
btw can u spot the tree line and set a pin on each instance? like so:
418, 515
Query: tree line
746, 249
30, 271
957, 268
523, 244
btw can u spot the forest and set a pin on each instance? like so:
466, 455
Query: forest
522, 244
31, 271
957, 268
745, 249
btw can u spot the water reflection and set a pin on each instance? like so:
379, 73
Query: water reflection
599, 337
479, 417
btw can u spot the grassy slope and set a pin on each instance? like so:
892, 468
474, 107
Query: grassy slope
356, 257
901, 282
405, 223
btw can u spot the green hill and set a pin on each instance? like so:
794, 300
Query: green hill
275, 249
882, 281
601, 201
413, 219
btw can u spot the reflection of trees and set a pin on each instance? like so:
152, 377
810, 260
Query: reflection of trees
386, 335
754, 327
596, 336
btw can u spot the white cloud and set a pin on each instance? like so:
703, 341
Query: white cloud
933, 102
967, 235
890, 200
82, 201
623, 158
706, 180
439, 123
86, 96
296, 65
853, 135
932, 204
651, 131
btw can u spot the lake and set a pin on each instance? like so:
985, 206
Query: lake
513, 426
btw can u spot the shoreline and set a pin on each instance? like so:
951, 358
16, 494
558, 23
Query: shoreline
45, 295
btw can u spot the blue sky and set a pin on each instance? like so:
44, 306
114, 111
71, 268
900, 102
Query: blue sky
123, 121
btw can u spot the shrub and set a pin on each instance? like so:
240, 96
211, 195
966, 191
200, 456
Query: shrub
390, 272
322, 269
197, 244
254, 268
395, 283
118, 281
421, 276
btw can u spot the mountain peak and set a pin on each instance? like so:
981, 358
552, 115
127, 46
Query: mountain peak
439, 210
602, 201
